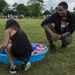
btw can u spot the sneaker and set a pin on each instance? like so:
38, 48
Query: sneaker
12, 70
26, 67
63, 46
52, 48
23, 66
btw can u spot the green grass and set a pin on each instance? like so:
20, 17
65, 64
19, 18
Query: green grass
60, 63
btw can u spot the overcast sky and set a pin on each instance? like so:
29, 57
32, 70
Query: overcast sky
47, 3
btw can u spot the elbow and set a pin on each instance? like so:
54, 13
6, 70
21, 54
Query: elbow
42, 24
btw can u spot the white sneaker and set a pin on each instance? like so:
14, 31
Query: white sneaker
12, 70
27, 66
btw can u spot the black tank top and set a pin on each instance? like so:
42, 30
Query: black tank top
21, 47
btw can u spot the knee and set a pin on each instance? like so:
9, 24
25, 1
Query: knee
67, 40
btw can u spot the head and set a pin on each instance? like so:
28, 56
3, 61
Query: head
62, 8
12, 24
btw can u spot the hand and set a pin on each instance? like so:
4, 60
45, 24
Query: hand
59, 37
55, 37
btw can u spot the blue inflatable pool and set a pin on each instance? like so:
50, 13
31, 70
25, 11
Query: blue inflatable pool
38, 54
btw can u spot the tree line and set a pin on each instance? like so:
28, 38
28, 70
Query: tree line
33, 8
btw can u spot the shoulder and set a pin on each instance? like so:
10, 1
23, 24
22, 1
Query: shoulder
10, 31
71, 14
7, 30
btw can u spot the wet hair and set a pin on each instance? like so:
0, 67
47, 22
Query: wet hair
64, 4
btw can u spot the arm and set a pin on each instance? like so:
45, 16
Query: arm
55, 36
47, 29
65, 34
71, 27
49, 20
6, 40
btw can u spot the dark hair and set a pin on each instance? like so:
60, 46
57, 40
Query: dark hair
64, 4
12, 23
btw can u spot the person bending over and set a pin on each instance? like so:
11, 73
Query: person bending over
20, 47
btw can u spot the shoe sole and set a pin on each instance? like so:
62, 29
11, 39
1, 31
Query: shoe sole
12, 72
27, 66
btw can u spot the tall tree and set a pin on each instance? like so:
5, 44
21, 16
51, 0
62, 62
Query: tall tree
15, 6
3, 4
21, 9
35, 7
47, 12
74, 10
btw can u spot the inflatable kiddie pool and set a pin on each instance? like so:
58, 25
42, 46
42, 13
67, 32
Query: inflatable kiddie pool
38, 54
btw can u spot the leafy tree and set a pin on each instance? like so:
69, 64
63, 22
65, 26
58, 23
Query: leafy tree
10, 12
74, 10
15, 6
47, 12
35, 1
21, 9
11, 9
35, 7
3, 4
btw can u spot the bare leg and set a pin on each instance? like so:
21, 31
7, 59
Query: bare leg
10, 57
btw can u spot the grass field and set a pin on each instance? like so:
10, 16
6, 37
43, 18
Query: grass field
60, 63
